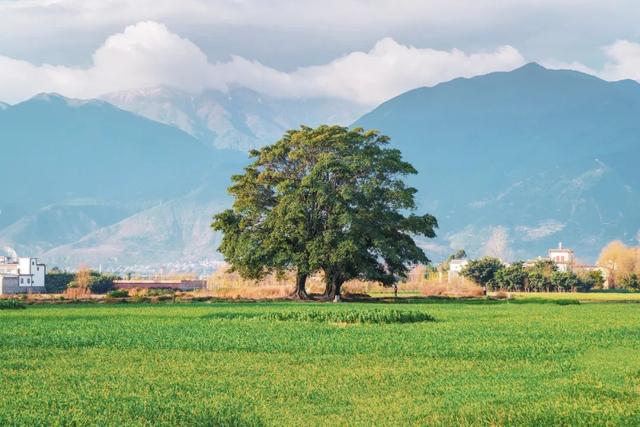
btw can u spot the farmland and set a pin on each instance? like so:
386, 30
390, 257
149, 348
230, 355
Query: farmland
527, 362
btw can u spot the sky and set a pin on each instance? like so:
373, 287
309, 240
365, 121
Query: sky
362, 51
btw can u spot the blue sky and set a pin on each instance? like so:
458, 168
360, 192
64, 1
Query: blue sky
360, 50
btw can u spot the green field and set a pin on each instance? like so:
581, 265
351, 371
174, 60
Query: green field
480, 362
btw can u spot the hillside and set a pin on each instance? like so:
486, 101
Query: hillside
240, 119
522, 159
78, 167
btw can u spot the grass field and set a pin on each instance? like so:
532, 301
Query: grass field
480, 362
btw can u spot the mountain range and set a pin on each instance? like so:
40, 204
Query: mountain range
510, 163
238, 119
86, 182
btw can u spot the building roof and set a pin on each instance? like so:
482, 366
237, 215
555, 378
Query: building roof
561, 250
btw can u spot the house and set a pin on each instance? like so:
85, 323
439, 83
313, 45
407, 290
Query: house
23, 275
180, 285
563, 257
455, 267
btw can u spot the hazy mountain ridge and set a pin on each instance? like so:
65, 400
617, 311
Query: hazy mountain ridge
510, 163
174, 235
240, 119
539, 155
88, 166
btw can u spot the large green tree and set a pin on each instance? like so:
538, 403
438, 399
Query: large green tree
539, 275
328, 199
591, 280
482, 271
564, 281
511, 278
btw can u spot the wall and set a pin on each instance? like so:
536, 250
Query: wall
9, 285
39, 274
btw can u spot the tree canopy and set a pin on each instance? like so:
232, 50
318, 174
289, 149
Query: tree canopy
512, 277
328, 199
622, 261
482, 271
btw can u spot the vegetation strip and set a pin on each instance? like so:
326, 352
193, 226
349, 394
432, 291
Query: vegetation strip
376, 316
11, 304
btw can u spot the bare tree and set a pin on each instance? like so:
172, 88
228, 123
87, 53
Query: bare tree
497, 246
620, 259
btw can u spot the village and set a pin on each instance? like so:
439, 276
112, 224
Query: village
26, 275
563, 258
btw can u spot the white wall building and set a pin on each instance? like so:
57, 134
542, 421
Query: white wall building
21, 276
563, 258
455, 267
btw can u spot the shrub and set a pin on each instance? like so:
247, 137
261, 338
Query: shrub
631, 282
56, 281
102, 283
160, 292
567, 302
501, 295
118, 293
11, 304
74, 291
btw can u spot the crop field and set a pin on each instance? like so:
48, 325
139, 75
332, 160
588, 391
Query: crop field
436, 362
586, 297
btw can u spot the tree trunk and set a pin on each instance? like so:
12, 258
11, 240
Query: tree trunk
301, 290
329, 290
337, 286
332, 289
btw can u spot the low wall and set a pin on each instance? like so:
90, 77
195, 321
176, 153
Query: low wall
181, 285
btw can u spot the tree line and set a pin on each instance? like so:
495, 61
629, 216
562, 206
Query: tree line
58, 281
542, 276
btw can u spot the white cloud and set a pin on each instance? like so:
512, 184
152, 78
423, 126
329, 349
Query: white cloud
623, 62
391, 68
543, 229
148, 54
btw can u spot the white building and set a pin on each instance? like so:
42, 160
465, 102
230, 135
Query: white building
455, 267
21, 276
563, 258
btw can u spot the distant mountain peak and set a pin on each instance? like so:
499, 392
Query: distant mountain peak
49, 97
531, 66
52, 97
